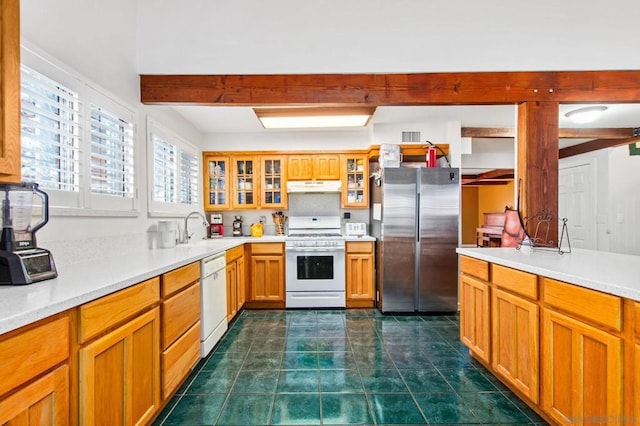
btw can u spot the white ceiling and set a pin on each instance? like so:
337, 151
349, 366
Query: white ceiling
243, 120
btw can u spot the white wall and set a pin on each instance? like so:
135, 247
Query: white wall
617, 199
324, 36
490, 154
287, 141
95, 41
624, 201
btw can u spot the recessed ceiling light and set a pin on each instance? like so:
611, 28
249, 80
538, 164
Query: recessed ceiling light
313, 117
586, 114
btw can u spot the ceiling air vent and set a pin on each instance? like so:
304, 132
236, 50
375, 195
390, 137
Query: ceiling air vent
408, 137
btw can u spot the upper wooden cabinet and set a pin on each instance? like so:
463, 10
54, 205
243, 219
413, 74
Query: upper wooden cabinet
273, 182
216, 182
245, 185
10, 91
355, 180
300, 167
313, 166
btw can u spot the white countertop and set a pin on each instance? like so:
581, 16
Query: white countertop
617, 274
82, 282
362, 238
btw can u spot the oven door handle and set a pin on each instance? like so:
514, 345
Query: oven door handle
317, 250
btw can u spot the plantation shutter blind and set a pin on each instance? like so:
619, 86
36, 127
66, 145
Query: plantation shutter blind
112, 154
164, 171
189, 173
50, 132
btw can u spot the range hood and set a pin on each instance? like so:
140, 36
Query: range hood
317, 186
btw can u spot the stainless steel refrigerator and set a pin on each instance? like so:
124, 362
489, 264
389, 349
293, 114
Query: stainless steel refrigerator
414, 217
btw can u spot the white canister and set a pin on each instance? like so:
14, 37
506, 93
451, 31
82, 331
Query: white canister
167, 233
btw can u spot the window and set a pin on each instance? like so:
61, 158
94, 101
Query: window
50, 132
174, 170
77, 143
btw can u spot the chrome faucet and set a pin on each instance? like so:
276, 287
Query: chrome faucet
186, 237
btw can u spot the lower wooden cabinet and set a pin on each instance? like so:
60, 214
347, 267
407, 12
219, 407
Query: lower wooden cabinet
180, 325
120, 373
515, 341
267, 275
360, 291
236, 282
475, 316
635, 378
178, 360
232, 290
42, 402
34, 373
582, 383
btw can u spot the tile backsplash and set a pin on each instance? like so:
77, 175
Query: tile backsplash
303, 204
314, 204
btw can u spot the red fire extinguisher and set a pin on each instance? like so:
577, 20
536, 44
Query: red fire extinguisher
431, 157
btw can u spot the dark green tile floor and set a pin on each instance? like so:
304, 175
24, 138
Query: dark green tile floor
336, 367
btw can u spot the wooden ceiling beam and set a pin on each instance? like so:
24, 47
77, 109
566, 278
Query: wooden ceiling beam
563, 133
488, 132
466, 182
603, 133
471, 88
595, 145
495, 175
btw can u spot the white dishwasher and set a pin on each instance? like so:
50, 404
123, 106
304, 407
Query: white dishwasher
213, 312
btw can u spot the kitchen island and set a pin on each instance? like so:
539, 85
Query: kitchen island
561, 330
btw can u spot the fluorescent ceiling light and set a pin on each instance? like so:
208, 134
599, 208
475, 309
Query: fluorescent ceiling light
586, 115
313, 117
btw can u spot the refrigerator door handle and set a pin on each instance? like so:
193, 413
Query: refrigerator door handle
417, 222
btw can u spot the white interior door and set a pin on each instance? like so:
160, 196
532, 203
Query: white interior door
576, 202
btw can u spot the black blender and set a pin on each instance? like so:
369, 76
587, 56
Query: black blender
21, 261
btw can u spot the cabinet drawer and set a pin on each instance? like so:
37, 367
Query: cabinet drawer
32, 350
267, 248
601, 308
180, 278
99, 315
515, 281
179, 313
475, 267
234, 253
359, 247
179, 358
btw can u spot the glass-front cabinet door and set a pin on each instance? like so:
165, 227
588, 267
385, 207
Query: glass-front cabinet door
355, 180
273, 183
245, 182
216, 182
